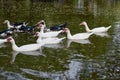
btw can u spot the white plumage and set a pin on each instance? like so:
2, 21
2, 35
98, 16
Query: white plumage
28, 47
78, 35
95, 30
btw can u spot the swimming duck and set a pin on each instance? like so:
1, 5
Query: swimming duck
28, 47
99, 29
78, 35
49, 40
48, 34
15, 25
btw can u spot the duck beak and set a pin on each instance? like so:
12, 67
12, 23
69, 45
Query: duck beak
36, 34
81, 24
4, 22
27, 23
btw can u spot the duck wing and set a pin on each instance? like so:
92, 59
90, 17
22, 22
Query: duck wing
30, 47
58, 27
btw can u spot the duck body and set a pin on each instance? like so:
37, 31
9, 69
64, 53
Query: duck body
58, 27
29, 47
78, 35
50, 40
6, 33
29, 29
100, 29
3, 41
95, 30
50, 33
18, 24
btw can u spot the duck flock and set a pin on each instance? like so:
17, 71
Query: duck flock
45, 35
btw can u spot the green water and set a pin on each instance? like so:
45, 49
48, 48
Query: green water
97, 58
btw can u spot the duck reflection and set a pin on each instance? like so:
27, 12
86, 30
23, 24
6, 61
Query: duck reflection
54, 46
82, 41
33, 53
105, 34
2, 45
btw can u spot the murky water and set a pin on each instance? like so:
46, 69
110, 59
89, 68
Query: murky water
93, 59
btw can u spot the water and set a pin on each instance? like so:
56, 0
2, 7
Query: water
93, 59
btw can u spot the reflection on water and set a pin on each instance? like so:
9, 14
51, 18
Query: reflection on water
33, 53
54, 46
2, 45
96, 58
83, 41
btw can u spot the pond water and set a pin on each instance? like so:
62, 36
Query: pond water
92, 59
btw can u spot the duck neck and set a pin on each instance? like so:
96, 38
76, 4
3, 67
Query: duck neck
87, 28
42, 30
69, 34
14, 46
8, 24
39, 40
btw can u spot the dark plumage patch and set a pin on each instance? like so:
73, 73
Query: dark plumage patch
58, 27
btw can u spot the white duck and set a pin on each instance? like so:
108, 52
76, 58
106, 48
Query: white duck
48, 34
96, 30
53, 40
78, 35
29, 47
3, 41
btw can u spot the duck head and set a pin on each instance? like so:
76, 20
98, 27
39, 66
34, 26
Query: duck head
9, 39
65, 30
40, 24
83, 23
6, 21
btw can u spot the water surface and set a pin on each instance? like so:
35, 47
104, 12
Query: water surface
93, 59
